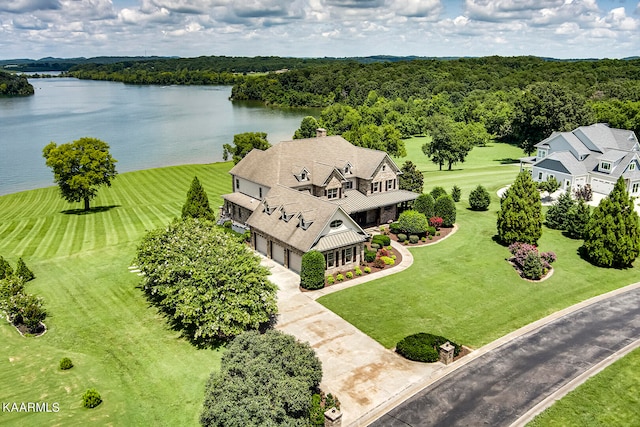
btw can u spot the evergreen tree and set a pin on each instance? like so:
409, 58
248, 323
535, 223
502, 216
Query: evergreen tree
411, 178
445, 208
612, 235
557, 215
520, 214
5, 268
456, 193
479, 199
425, 204
23, 271
577, 219
197, 204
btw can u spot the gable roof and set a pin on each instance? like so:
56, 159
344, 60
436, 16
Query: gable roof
320, 156
294, 205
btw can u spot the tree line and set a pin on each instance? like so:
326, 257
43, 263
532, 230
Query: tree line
14, 85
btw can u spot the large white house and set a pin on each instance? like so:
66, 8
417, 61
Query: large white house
314, 194
596, 155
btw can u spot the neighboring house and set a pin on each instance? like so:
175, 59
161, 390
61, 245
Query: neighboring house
314, 194
596, 155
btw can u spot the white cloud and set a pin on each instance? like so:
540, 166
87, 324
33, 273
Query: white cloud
26, 6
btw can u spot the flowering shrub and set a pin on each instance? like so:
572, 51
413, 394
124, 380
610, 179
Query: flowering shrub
383, 252
378, 263
436, 221
529, 261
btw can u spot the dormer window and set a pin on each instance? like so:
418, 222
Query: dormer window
304, 224
632, 166
285, 216
347, 169
304, 176
268, 209
605, 166
542, 154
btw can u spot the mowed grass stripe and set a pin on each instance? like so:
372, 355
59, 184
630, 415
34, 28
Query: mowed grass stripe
50, 238
18, 231
27, 245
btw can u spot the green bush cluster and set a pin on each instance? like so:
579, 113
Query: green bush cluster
414, 239
65, 363
387, 260
312, 270
91, 398
369, 256
319, 405
402, 237
423, 347
381, 239
413, 222
20, 307
394, 228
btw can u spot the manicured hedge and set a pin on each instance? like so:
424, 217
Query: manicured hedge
423, 347
381, 239
312, 270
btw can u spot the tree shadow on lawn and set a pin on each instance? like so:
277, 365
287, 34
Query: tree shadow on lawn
94, 210
507, 161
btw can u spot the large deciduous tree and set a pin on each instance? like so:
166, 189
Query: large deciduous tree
612, 235
80, 167
243, 143
544, 108
197, 203
308, 128
411, 178
450, 142
520, 214
207, 282
264, 380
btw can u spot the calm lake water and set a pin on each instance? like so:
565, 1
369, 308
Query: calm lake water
146, 126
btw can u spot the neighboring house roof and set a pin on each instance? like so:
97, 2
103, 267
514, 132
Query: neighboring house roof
320, 156
285, 203
581, 151
355, 201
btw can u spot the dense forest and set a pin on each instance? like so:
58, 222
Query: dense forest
203, 70
461, 103
378, 101
14, 85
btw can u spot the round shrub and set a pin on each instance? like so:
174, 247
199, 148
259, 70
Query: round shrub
312, 271
431, 231
66, 363
91, 398
394, 228
414, 239
387, 260
375, 246
381, 239
424, 204
423, 347
358, 271
402, 237
369, 256
413, 222
349, 275
330, 280
445, 208
339, 277
479, 199
367, 270
438, 192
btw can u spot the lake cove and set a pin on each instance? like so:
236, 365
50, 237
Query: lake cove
146, 126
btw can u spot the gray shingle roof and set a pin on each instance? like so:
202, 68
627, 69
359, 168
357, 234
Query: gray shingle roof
338, 240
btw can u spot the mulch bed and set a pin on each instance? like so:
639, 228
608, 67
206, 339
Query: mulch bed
24, 331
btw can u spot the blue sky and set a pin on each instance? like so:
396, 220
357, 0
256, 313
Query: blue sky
317, 28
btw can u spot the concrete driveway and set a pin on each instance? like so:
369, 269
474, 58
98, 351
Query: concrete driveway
512, 382
360, 372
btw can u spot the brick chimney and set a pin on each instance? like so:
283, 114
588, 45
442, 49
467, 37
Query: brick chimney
321, 132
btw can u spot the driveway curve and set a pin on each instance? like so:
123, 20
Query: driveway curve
500, 386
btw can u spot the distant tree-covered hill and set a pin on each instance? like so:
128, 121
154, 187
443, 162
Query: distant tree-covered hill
14, 85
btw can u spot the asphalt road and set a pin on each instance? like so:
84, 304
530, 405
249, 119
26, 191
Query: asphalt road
500, 386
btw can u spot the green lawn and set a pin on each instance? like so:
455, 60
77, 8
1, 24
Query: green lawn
611, 398
463, 288
146, 373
